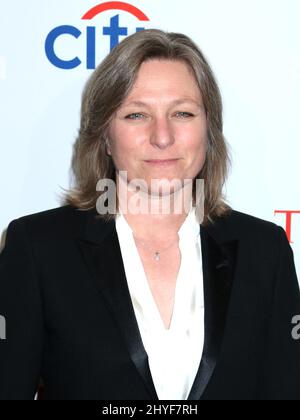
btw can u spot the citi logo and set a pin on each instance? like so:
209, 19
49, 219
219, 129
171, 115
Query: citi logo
114, 30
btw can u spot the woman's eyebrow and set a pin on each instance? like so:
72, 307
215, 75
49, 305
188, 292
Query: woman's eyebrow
136, 103
186, 100
175, 102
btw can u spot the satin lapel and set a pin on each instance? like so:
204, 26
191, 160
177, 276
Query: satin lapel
219, 262
102, 254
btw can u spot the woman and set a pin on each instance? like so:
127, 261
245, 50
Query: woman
195, 303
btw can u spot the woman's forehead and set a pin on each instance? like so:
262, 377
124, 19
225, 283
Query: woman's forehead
168, 80
164, 69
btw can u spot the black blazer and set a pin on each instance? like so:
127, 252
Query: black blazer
70, 319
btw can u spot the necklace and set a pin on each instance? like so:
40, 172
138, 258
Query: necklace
156, 253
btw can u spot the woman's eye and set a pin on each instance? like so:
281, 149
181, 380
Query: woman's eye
184, 114
135, 116
139, 116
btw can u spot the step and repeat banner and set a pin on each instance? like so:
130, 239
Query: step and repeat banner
49, 48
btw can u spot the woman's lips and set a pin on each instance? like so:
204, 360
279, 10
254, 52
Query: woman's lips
162, 162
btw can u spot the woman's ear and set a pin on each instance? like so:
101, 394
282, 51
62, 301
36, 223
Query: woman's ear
107, 147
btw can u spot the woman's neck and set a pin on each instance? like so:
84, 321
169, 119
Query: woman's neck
157, 217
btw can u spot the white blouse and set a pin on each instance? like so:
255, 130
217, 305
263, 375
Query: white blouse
174, 354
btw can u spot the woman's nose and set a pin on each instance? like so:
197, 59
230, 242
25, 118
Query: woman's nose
162, 134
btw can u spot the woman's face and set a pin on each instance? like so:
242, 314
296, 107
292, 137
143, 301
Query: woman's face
163, 117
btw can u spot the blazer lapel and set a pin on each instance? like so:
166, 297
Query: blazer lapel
219, 261
101, 251
102, 254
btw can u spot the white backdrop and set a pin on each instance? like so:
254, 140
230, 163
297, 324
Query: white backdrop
253, 47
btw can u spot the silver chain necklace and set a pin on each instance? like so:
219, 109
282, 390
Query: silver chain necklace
156, 253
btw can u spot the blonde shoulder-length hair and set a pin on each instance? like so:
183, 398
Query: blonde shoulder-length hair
105, 91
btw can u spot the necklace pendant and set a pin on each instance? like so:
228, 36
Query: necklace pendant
157, 256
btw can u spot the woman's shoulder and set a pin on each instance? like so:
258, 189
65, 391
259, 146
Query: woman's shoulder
236, 224
249, 221
64, 221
